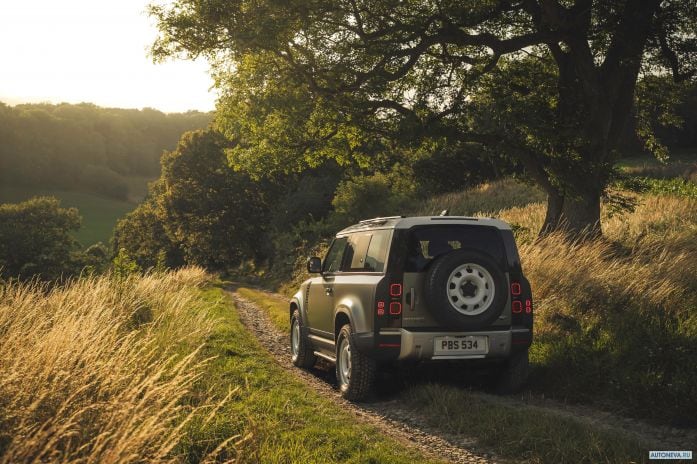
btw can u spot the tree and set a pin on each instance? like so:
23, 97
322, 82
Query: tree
141, 233
198, 212
407, 70
36, 240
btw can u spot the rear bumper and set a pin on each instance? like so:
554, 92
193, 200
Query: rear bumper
403, 344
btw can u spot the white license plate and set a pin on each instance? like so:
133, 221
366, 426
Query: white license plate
463, 345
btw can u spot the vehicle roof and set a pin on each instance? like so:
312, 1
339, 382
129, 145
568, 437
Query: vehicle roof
402, 222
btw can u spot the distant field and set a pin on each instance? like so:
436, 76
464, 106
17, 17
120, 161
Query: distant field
99, 214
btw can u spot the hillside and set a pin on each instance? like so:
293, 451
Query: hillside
98, 160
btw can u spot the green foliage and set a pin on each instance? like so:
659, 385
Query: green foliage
103, 181
99, 214
680, 187
357, 81
142, 233
215, 215
36, 239
95, 259
365, 197
123, 265
200, 211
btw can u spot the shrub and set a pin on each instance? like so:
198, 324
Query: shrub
365, 197
142, 235
36, 240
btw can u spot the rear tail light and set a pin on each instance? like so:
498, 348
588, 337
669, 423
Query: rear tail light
515, 288
381, 308
528, 306
395, 308
517, 307
396, 290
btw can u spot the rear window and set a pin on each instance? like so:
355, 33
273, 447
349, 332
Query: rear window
428, 243
356, 251
377, 251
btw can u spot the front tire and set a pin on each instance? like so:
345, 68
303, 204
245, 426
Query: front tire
301, 352
355, 372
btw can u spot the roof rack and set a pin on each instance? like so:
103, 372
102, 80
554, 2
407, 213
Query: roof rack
379, 219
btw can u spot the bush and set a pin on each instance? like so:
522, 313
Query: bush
36, 240
365, 197
142, 235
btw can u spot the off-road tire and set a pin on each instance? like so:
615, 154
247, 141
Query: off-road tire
436, 285
362, 369
512, 378
305, 356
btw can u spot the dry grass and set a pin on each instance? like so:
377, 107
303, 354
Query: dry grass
489, 197
97, 370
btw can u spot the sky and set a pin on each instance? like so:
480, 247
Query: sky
93, 51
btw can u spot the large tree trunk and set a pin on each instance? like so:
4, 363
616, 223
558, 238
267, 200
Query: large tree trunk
580, 216
555, 203
577, 215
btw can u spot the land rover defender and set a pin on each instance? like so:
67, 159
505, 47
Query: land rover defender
400, 288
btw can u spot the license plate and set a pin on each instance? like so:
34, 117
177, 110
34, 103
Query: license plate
463, 345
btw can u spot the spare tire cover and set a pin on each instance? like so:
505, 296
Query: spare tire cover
465, 289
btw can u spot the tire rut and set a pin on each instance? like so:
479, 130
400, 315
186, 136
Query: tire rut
389, 417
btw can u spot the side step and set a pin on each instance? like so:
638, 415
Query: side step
325, 356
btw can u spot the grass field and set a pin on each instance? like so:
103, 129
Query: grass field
99, 214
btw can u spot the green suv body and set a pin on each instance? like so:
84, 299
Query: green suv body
415, 288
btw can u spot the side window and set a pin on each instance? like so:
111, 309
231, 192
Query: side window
377, 251
332, 262
356, 252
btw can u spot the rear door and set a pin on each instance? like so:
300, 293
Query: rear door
428, 243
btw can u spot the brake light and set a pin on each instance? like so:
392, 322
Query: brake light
515, 288
517, 307
381, 308
528, 306
396, 290
395, 308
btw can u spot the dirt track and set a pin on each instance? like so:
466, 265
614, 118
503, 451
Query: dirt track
403, 424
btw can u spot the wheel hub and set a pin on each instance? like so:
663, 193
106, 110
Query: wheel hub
470, 289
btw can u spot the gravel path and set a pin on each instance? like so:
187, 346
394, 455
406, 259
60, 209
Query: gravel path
388, 416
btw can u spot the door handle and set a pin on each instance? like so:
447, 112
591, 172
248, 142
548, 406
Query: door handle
412, 299
328, 291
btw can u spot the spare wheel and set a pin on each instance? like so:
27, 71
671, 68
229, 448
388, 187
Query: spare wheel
465, 289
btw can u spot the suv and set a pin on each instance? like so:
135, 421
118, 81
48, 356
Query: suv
400, 288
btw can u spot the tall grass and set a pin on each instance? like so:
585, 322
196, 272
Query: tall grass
100, 370
615, 317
